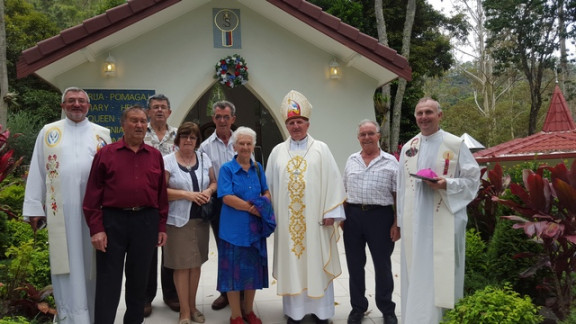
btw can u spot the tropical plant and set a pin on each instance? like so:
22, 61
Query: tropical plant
483, 211
547, 214
7, 162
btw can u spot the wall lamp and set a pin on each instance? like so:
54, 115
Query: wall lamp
110, 66
335, 69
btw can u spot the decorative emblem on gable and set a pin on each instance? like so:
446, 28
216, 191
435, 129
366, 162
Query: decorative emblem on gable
226, 28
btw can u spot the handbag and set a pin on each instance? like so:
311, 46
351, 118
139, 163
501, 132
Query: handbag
209, 210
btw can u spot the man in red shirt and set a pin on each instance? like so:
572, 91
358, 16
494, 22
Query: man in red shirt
126, 206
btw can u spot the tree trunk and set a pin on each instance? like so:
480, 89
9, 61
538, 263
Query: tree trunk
3, 70
564, 72
383, 106
406, 38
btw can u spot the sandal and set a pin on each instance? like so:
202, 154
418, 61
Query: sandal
198, 317
184, 321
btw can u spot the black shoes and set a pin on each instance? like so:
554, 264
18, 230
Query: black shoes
174, 304
220, 302
320, 321
390, 319
355, 317
316, 320
292, 321
147, 309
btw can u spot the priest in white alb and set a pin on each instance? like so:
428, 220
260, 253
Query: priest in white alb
307, 194
55, 189
437, 178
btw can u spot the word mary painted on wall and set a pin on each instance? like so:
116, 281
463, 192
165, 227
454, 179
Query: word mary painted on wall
108, 105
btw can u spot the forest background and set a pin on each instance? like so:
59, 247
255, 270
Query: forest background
491, 64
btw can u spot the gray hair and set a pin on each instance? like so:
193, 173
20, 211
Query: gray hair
242, 130
159, 97
368, 121
124, 115
222, 104
74, 89
438, 108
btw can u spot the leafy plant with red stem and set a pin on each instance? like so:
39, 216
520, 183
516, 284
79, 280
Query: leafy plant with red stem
547, 214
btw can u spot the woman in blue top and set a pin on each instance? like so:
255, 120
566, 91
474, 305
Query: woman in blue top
246, 220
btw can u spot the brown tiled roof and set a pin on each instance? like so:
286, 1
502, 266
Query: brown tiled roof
557, 140
115, 19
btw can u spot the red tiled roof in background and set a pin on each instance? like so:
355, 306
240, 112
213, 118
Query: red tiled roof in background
559, 118
115, 19
557, 140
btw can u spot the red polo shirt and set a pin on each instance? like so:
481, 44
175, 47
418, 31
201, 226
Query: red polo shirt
122, 178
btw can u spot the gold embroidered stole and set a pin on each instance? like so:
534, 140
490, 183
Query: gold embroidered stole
54, 205
443, 229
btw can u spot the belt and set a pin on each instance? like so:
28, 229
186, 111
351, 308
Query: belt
134, 209
365, 207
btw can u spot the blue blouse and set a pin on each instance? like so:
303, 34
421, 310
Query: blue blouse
233, 180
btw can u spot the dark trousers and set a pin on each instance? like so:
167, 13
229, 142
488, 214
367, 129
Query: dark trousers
132, 237
166, 280
215, 223
372, 227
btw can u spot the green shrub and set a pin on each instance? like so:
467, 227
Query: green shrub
516, 170
570, 319
12, 195
29, 263
14, 320
27, 125
4, 235
494, 305
475, 276
504, 263
19, 231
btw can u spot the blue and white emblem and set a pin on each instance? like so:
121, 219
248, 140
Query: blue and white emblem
53, 136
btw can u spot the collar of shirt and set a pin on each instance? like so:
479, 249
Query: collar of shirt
122, 146
299, 145
236, 167
171, 131
214, 138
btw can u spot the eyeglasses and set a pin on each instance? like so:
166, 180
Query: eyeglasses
188, 137
370, 134
219, 117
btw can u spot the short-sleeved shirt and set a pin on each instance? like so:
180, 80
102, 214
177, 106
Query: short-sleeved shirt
373, 184
166, 145
246, 185
218, 152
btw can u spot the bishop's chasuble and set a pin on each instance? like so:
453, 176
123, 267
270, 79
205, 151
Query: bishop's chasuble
306, 187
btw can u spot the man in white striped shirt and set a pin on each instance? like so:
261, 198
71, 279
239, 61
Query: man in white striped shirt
370, 182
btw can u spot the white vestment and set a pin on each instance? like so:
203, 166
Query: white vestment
74, 292
422, 206
306, 187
